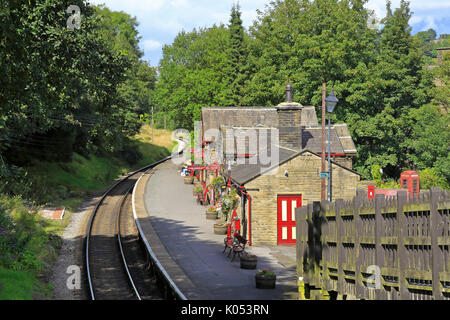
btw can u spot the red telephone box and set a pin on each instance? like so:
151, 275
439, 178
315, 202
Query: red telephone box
410, 180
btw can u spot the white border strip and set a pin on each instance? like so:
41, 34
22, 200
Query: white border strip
149, 249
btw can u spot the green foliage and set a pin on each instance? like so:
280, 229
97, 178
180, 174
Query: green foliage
16, 285
25, 244
237, 57
378, 72
69, 90
58, 80
28, 246
193, 74
230, 202
429, 178
428, 139
376, 173
441, 92
266, 274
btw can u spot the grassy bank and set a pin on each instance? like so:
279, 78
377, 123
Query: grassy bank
67, 184
29, 244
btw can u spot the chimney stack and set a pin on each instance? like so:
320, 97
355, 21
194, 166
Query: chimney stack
289, 121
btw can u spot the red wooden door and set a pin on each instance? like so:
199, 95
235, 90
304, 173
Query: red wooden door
286, 218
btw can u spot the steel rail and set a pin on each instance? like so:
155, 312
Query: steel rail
93, 216
172, 284
119, 239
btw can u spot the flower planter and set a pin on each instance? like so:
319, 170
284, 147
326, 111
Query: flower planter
211, 215
220, 229
248, 261
265, 282
188, 180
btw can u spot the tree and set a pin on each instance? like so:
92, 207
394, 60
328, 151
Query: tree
441, 92
396, 83
60, 89
426, 38
428, 142
237, 56
193, 74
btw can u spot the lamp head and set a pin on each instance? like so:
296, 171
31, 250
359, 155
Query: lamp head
331, 102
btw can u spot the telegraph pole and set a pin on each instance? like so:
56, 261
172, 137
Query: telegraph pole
324, 93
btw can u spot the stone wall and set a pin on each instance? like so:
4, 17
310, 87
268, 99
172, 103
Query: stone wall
303, 179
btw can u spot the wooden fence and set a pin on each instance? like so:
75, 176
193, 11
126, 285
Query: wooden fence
383, 249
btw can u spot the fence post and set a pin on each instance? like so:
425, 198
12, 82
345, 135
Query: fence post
317, 245
402, 254
302, 236
339, 247
308, 252
379, 203
436, 266
358, 260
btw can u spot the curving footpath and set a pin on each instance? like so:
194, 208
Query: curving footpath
182, 242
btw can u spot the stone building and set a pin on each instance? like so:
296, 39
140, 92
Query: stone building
274, 154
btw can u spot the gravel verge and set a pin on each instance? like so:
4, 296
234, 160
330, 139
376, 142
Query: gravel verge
71, 254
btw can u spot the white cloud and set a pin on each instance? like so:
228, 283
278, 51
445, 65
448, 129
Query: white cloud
161, 20
151, 45
427, 12
133, 6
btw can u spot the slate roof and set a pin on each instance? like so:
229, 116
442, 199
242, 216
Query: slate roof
312, 140
244, 173
222, 118
217, 117
267, 117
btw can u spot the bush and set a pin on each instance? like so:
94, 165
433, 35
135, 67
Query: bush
129, 153
429, 178
25, 245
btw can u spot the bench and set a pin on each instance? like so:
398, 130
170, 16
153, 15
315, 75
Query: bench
239, 245
236, 245
229, 243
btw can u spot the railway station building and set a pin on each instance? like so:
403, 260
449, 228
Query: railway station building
273, 158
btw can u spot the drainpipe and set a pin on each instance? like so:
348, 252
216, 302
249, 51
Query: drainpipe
249, 215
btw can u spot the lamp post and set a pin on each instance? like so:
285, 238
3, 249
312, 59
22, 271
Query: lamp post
331, 102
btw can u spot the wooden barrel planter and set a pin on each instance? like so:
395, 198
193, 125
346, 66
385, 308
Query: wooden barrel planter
220, 229
248, 261
211, 215
265, 280
188, 180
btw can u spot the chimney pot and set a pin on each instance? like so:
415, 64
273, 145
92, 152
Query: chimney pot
289, 93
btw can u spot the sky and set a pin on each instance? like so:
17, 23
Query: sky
161, 20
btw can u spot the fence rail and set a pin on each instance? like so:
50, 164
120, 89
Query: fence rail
384, 249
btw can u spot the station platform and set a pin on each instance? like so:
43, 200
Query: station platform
184, 242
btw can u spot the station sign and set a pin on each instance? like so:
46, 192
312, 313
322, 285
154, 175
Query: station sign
324, 175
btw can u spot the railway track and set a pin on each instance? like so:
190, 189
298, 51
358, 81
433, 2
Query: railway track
116, 264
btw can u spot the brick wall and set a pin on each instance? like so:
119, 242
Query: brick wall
303, 179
